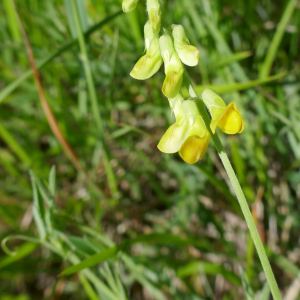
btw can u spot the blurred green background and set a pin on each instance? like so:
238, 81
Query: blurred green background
198, 238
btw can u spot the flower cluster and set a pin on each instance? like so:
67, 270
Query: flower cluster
188, 135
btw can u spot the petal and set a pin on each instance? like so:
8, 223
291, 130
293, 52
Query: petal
231, 121
129, 5
194, 148
173, 138
148, 64
155, 12
188, 54
172, 84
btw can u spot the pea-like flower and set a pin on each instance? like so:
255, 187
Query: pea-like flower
227, 118
129, 5
198, 136
150, 63
173, 67
188, 134
188, 54
154, 11
176, 134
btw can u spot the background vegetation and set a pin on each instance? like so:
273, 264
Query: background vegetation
188, 239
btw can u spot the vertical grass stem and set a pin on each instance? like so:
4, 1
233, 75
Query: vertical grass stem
94, 101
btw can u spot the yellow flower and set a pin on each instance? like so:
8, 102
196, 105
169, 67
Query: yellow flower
188, 134
173, 67
188, 54
228, 118
154, 11
198, 136
150, 63
176, 133
129, 5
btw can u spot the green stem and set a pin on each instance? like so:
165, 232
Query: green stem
238, 190
94, 101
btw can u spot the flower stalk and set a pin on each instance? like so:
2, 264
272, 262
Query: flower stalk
238, 190
191, 132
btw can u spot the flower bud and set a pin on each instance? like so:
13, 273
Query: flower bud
198, 137
176, 133
173, 67
154, 11
188, 54
150, 63
228, 118
129, 5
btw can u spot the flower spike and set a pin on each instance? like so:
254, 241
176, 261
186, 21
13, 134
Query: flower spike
188, 54
154, 11
129, 5
228, 118
150, 63
173, 67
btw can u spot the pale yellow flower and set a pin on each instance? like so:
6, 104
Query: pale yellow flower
150, 63
188, 134
188, 54
129, 5
154, 11
173, 67
227, 118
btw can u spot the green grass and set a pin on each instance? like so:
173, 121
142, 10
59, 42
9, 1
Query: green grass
158, 226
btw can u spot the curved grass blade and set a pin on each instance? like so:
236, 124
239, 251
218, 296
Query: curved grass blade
23, 251
11, 87
210, 268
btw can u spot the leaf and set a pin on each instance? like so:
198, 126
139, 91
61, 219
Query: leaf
12, 86
165, 239
38, 210
266, 66
14, 146
88, 288
52, 175
265, 292
283, 263
229, 59
246, 285
233, 87
208, 268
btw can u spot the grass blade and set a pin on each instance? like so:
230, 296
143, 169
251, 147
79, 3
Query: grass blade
266, 66
14, 146
94, 101
12, 86
23, 251
233, 87
265, 292
246, 285
46, 107
208, 268
165, 239
229, 59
